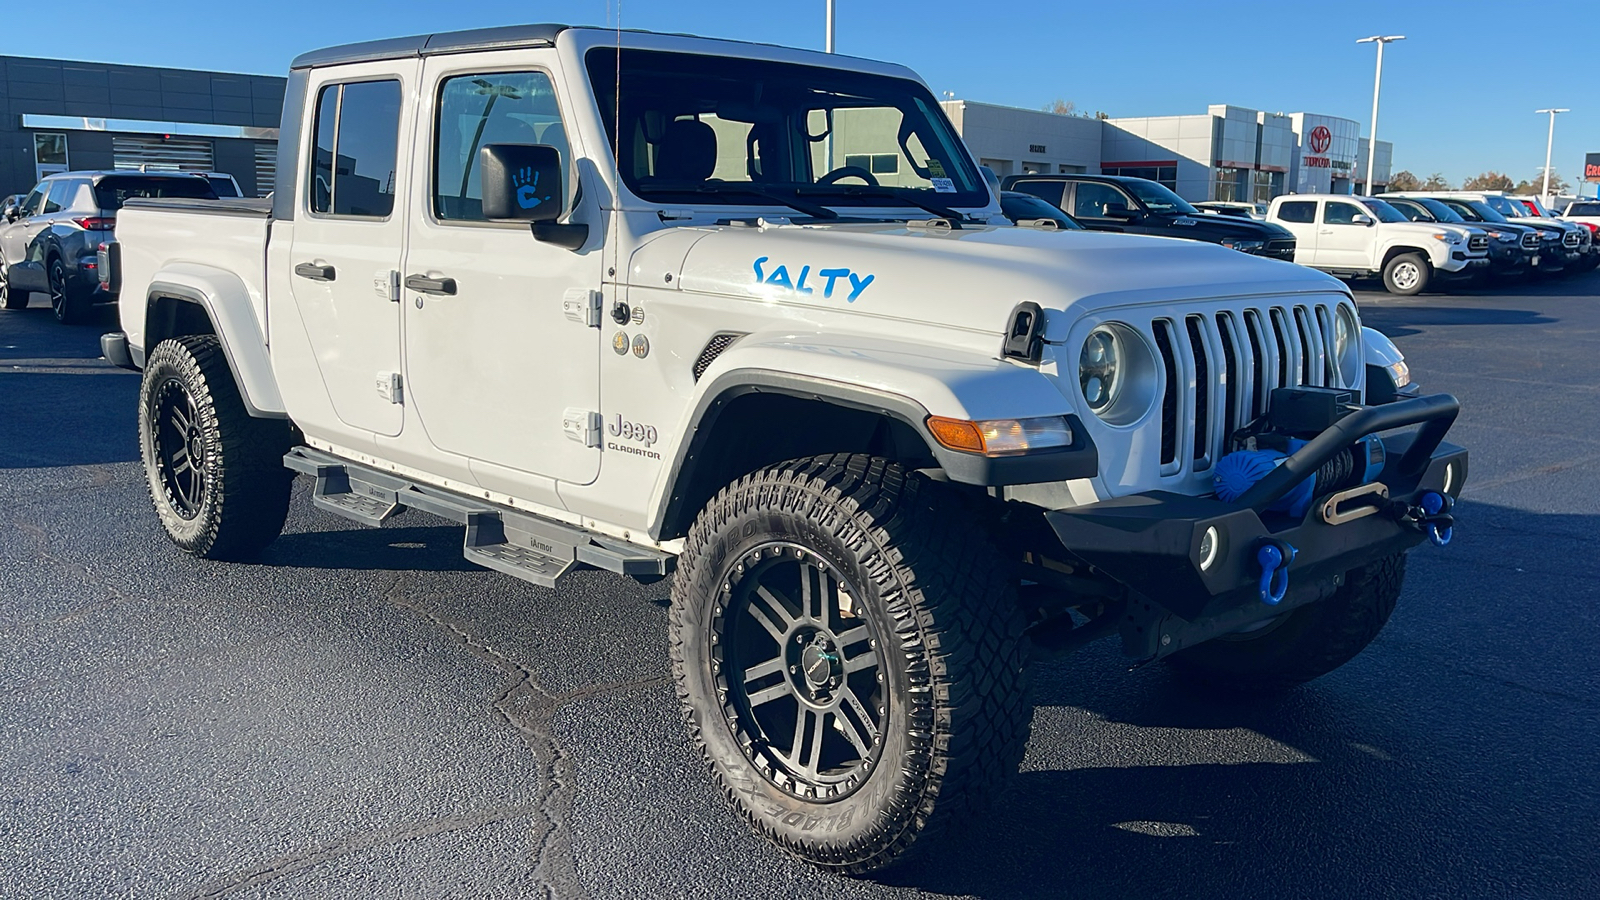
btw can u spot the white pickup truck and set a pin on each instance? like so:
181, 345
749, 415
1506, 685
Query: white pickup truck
751, 317
1358, 237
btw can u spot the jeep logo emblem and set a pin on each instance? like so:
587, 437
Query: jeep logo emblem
632, 431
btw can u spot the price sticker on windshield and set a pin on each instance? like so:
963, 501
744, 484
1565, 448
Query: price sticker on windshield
943, 185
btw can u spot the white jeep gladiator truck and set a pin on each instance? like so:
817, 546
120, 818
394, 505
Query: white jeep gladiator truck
750, 316
1356, 237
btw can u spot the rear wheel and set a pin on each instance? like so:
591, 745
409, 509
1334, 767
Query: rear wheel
848, 650
1406, 274
68, 307
216, 474
1302, 644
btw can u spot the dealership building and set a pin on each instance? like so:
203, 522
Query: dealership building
1225, 153
57, 115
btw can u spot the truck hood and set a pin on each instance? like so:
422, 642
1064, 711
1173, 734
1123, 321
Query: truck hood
967, 279
1426, 228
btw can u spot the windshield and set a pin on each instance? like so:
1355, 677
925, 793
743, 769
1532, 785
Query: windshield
111, 192
1440, 211
1155, 195
1382, 211
1507, 207
746, 132
1019, 206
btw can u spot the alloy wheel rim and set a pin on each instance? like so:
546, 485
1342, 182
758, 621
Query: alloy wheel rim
58, 285
798, 666
180, 452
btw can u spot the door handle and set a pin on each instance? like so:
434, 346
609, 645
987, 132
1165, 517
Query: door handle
1326, 231
427, 285
314, 272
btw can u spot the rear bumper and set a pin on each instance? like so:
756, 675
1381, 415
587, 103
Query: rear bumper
114, 347
1152, 542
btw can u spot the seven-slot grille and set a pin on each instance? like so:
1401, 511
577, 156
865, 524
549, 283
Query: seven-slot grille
1478, 242
1530, 240
1219, 370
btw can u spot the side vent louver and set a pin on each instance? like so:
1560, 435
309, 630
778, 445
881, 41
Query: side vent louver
719, 342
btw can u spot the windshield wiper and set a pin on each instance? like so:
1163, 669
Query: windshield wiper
751, 189
868, 190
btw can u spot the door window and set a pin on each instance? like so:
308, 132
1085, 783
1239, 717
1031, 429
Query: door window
1093, 197
1335, 213
30, 206
489, 108
357, 138
60, 196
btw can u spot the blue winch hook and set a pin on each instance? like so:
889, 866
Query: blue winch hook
1438, 505
1275, 557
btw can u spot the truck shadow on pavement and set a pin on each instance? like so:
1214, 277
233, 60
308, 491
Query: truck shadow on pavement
1401, 321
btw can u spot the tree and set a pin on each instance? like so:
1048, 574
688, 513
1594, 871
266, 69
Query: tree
1061, 107
1403, 180
1436, 182
1489, 181
1535, 185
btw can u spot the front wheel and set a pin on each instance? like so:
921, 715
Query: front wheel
1406, 274
216, 474
10, 299
848, 650
1304, 643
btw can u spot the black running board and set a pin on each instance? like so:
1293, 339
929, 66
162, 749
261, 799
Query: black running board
529, 547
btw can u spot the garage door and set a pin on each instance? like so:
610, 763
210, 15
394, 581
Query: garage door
157, 155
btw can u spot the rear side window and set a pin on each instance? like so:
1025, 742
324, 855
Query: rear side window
353, 165
1050, 192
1298, 211
1584, 209
115, 190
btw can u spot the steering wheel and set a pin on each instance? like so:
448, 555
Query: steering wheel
848, 172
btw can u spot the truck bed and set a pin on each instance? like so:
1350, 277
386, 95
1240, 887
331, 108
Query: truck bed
177, 236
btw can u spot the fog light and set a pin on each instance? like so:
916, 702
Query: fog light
1209, 542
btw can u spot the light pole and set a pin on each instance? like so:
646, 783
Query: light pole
1377, 82
827, 44
1548, 145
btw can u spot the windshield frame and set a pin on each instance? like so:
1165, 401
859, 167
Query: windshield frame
870, 90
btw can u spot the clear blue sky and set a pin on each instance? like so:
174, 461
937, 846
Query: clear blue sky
1459, 93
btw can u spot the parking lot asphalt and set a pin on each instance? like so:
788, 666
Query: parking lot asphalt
362, 714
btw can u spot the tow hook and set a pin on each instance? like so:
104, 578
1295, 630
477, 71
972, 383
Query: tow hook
1274, 556
1433, 516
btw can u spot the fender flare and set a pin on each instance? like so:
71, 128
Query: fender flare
743, 377
227, 303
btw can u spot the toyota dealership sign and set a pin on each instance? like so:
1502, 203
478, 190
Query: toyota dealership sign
1591, 167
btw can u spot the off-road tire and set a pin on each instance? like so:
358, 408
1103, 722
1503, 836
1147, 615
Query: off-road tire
240, 503
1407, 274
10, 299
942, 599
1307, 643
68, 306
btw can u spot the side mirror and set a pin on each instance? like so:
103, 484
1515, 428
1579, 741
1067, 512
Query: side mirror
1120, 211
11, 214
1361, 219
521, 182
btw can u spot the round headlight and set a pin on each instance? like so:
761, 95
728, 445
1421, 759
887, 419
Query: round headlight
1098, 365
1347, 346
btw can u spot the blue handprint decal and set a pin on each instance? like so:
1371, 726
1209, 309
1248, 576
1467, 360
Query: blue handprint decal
527, 183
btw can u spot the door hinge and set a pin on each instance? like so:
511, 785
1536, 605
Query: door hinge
391, 387
581, 425
582, 305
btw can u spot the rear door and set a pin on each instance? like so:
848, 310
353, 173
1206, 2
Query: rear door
350, 233
502, 363
1300, 218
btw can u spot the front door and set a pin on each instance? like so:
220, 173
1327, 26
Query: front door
1343, 243
497, 347
349, 236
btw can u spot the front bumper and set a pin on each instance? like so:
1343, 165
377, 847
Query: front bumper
1461, 262
1151, 542
1507, 257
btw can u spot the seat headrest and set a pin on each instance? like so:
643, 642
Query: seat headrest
688, 151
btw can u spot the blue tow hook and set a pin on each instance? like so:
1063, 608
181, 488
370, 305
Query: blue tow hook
1275, 557
1441, 524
